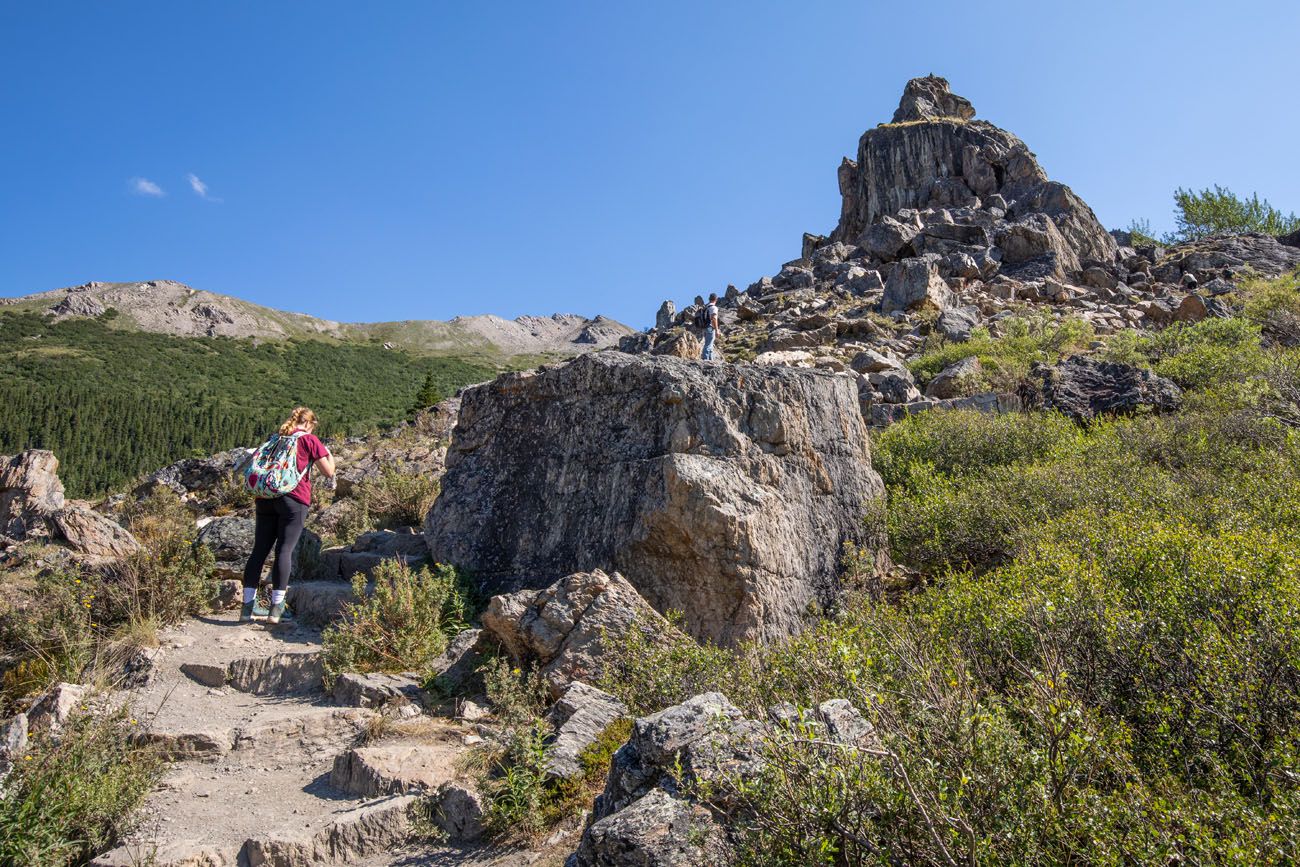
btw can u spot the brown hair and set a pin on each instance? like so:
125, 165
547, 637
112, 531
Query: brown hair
300, 417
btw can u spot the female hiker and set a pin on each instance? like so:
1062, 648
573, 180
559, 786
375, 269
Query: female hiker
280, 478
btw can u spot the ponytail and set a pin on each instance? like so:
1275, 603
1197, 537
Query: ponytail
300, 417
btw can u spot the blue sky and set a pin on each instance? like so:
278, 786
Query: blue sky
405, 160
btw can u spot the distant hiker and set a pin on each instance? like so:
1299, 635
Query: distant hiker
707, 318
280, 477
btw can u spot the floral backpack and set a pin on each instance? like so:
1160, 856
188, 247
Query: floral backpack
274, 471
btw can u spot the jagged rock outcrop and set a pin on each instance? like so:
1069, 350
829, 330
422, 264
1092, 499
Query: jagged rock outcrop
650, 811
562, 628
30, 493
722, 491
33, 507
933, 155
928, 99
1084, 388
644, 816
578, 718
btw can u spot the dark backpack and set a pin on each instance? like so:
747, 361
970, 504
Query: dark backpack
702, 317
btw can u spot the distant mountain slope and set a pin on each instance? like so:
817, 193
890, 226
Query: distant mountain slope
114, 402
168, 307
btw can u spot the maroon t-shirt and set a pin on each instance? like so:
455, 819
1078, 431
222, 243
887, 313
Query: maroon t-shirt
310, 449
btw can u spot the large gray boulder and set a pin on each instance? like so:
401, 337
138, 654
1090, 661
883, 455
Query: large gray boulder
723, 491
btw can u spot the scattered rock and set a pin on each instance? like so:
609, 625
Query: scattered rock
51, 712
956, 324
457, 667
562, 628
915, 284
956, 380
89, 533
579, 716
460, 813
679, 344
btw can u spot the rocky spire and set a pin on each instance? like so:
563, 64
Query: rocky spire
929, 98
935, 158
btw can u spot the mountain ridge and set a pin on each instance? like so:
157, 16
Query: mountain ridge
171, 307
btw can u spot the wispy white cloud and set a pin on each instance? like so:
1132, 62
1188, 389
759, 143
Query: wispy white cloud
146, 187
200, 189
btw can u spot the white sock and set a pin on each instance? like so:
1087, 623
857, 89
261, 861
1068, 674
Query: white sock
250, 593
277, 596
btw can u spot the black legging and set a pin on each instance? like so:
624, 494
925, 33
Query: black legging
279, 526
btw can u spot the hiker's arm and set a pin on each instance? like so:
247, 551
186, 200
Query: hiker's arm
326, 465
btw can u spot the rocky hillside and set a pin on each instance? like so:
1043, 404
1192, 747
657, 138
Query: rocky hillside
635, 609
168, 307
949, 228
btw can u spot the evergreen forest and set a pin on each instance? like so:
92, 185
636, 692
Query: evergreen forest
113, 404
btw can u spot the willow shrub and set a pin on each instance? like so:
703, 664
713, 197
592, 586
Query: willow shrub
401, 624
1103, 669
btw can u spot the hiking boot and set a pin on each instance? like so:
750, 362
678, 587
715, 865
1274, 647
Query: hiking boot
246, 613
260, 610
280, 614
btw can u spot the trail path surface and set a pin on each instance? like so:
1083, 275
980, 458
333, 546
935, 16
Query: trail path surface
254, 742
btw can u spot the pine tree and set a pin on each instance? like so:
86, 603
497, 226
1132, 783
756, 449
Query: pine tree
428, 395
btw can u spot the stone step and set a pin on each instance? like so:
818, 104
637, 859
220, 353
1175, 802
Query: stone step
373, 827
318, 603
396, 768
301, 726
367, 829
277, 674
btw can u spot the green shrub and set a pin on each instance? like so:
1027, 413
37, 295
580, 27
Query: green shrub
403, 625
648, 670
1216, 211
1274, 306
959, 443
1005, 360
1210, 352
394, 499
65, 802
1141, 233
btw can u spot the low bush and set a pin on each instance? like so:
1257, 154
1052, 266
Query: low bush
394, 499
1005, 360
402, 625
66, 801
1274, 306
522, 800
